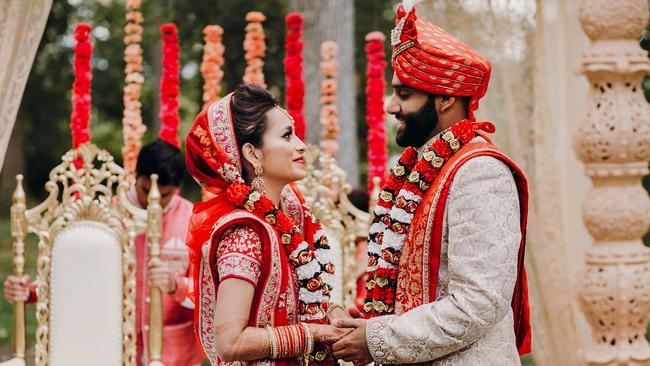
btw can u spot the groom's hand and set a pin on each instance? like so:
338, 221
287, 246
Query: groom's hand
353, 346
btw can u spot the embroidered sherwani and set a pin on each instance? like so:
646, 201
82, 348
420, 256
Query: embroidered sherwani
468, 318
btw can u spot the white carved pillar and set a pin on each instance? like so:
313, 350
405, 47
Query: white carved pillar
613, 141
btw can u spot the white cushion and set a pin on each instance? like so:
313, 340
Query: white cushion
86, 297
13, 362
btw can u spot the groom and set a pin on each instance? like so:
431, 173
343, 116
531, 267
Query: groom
446, 280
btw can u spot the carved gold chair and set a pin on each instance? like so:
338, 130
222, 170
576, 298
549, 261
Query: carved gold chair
86, 284
326, 191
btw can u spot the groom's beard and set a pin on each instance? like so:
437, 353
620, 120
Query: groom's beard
414, 128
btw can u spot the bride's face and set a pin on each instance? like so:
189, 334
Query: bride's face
283, 152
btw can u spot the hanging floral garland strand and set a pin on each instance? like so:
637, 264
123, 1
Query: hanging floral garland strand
329, 118
81, 101
376, 84
295, 92
169, 85
212, 73
132, 126
255, 47
212, 63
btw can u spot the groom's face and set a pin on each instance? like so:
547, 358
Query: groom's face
416, 113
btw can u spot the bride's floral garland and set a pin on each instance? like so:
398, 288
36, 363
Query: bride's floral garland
313, 264
398, 200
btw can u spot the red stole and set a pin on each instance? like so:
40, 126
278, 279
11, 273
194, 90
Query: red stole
420, 261
275, 300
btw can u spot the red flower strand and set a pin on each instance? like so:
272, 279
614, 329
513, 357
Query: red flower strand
376, 84
81, 101
169, 85
295, 91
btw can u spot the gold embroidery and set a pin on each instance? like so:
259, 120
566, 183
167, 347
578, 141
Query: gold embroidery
403, 47
220, 123
239, 265
446, 71
447, 89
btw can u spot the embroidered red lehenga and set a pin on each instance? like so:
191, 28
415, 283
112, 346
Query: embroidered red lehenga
234, 235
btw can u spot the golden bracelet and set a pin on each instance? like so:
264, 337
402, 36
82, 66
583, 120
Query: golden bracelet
330, 308
272, 342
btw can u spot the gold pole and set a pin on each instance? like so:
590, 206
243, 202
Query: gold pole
154, 232
18, 233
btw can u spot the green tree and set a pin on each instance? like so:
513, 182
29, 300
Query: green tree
43, 118
44, 113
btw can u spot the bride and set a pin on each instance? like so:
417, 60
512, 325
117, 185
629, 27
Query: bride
262, 267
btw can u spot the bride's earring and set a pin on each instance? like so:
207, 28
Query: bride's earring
258, 183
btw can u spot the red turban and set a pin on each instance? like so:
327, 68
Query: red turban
427, 58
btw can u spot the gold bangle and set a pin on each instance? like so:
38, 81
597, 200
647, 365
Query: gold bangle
297, 339
330, 308
272, 342
309, 339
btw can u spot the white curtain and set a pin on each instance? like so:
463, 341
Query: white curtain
21, 27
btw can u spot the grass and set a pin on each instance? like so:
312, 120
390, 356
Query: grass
527, 361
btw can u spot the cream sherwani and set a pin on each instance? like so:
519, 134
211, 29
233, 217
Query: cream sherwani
471, 321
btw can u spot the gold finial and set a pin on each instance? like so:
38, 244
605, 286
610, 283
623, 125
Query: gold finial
19, 193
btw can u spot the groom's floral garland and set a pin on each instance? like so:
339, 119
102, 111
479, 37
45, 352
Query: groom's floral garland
313, 264
392, 216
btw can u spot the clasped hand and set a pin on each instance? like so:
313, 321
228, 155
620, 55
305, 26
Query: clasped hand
352, 347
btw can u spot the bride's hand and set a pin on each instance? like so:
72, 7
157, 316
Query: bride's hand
326, 333
337, 314
340, 314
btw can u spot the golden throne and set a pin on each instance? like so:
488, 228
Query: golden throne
86, 284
